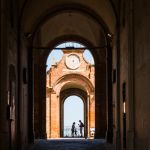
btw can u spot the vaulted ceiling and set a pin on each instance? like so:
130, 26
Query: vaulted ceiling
51, 19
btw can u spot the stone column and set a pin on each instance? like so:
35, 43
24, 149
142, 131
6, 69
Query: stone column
42, 100
55, 116
48, 116
36, 100
92, 111
109, 94
4, 133
100, 100
88, 116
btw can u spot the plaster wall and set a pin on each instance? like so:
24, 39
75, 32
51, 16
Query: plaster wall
142, 74
9, 57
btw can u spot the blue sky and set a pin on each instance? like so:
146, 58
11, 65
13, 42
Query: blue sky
73, 110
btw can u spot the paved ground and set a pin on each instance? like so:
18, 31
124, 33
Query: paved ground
72, 144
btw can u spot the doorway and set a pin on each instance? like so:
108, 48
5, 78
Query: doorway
73, 112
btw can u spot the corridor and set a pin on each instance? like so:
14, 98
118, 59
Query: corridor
71, 144
114, 91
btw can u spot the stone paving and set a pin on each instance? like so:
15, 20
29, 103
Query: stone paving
71, 144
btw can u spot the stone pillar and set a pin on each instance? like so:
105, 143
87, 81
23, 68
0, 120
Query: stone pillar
88, 116
42, 100
48, 127
100, 101
30, 96
36, 100
55, 116
109, 94
4, 133
92, 111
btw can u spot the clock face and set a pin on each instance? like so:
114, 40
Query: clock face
73, 61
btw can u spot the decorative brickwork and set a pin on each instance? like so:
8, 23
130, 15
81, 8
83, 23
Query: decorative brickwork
73, 75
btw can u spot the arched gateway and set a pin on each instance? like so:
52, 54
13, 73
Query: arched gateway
73, 75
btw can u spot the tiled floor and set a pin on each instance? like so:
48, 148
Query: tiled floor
71, 144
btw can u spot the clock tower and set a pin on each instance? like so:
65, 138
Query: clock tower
72, 75
74, 61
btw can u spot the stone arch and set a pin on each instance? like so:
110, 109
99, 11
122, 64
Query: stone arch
71, 80
50, 12
100, 95
67, 85
101, 59
80, 93
64, 38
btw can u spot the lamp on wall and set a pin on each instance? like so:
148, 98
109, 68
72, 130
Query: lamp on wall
109, 35
124, 113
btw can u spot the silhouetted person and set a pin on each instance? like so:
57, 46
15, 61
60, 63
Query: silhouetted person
73, 129
81, 125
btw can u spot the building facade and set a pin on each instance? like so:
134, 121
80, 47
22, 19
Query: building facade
73, 75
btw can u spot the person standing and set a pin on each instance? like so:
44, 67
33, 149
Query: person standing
81, 125
75, 132
73, 129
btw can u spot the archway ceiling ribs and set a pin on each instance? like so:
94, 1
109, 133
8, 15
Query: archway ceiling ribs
67, 23
36, 10
73, 81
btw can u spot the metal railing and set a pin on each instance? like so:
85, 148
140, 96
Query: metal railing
68, 133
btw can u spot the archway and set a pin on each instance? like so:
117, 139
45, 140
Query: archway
79, 80
89, 109
101, 12
73, 111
